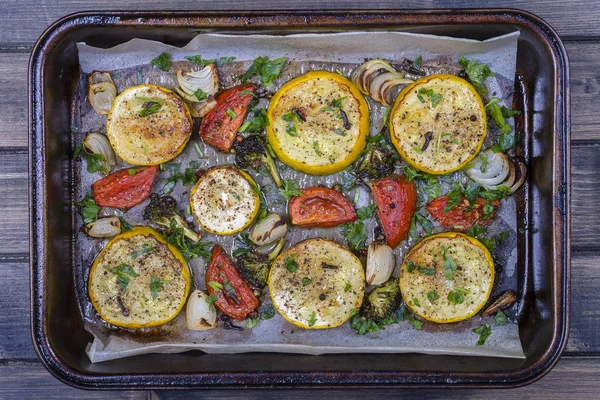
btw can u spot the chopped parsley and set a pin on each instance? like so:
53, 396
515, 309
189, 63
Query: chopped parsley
200, 94
256, 123
231, 113
211, 300
457, 296
94, 162
215, 285
290, 263
501, 318
242, 245
145, 249
449, 268
484, 331
123, 272
416, 323
355, 234
267, 70
432, 295
156, 285
416, 302
291, 118
306, 280
434, 98
348, 287
366, 212
316, 148
289, 189
88, 208
149, 107
175, 236
477, 73
417, 62
313, 319
162, 62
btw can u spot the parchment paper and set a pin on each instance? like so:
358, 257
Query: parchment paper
128, 64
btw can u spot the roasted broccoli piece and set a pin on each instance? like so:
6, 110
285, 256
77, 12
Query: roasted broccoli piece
376, 163
382, 301
255, 267
252, 152
162, 211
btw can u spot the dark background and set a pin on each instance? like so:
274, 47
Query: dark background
577, 375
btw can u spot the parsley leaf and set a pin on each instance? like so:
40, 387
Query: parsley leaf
316, 148
88, 208
210, 300
454, 197
484, 331
95, 162
449, 268
267, 70
306, 280
145, 249
456, 296
123, 272
150, 107
289, 189
231, 113
290, 263
434, 98
313, 319
162, 62
477, 73
156, 285
432, 295
416, 323
200, 94
366, 212
355, 234
256, 123
175, 236
501, 318
242, 245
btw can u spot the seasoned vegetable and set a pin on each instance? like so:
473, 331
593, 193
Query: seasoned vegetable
492, 170
103, 228
138, 280
98, 146
252, 152
378, 79
234, 296
447, 277
382, 301
396, 201
220, 126
462, 216
124, 188
268, 230
148, 125
438, 124
377, 163
101, 92
198, 89
318, 123
255, 267
316, 284
163, 211
380, 263
224, 200
200, 315
320, 207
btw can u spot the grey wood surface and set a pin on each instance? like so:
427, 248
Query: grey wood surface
577, 375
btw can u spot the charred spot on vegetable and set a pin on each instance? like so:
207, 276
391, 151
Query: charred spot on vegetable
255, 267
252, 152
162, 210
382, 301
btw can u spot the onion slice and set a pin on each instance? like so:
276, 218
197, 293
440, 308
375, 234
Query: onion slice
501, 171
377, 78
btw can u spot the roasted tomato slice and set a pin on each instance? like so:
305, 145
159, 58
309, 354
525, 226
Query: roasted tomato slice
396, 202
124, 188
219, 127
459, 218
321, 207
235, 299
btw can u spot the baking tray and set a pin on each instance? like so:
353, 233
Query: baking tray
542, 92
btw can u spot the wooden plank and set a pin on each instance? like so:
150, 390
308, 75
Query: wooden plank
14, 226
23, 21
13, 99
585, 182
573, 378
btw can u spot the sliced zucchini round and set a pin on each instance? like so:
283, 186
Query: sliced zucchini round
447, 277
318, 123
148, 125
225, 200
317, 284
438, 123
138, 280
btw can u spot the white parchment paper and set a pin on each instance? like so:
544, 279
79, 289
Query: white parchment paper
128, 64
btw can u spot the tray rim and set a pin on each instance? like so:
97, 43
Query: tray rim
332, 379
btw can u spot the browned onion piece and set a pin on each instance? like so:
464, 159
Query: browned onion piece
522, 175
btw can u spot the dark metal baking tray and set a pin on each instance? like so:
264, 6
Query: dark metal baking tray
542, 91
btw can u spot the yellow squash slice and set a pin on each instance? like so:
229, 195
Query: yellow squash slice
425, 277
438, 123
138, 280
318, 123
316, 284
148, 125
225, 200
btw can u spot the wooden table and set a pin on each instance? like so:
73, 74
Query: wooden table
577, 375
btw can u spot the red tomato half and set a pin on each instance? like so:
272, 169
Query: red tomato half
396, 202
124, 188
220, 126
236, 299
459, 218
321, 207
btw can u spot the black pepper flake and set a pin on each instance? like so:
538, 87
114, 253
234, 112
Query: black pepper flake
322, 296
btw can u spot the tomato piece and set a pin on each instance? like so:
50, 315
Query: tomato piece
396, 202
459, 218
321, 207
220, 126
124, 188
236, 299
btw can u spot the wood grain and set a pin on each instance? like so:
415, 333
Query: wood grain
23, 21
29, 380
13, 99
14, 226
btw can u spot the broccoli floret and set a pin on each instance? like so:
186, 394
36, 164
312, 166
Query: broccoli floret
382, 301
255, 267
376, 163
252, 152
162, 211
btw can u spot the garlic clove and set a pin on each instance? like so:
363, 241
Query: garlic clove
268, 230
103, 228
97, 143
200, 316
101, 92
199, 110
380, 263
